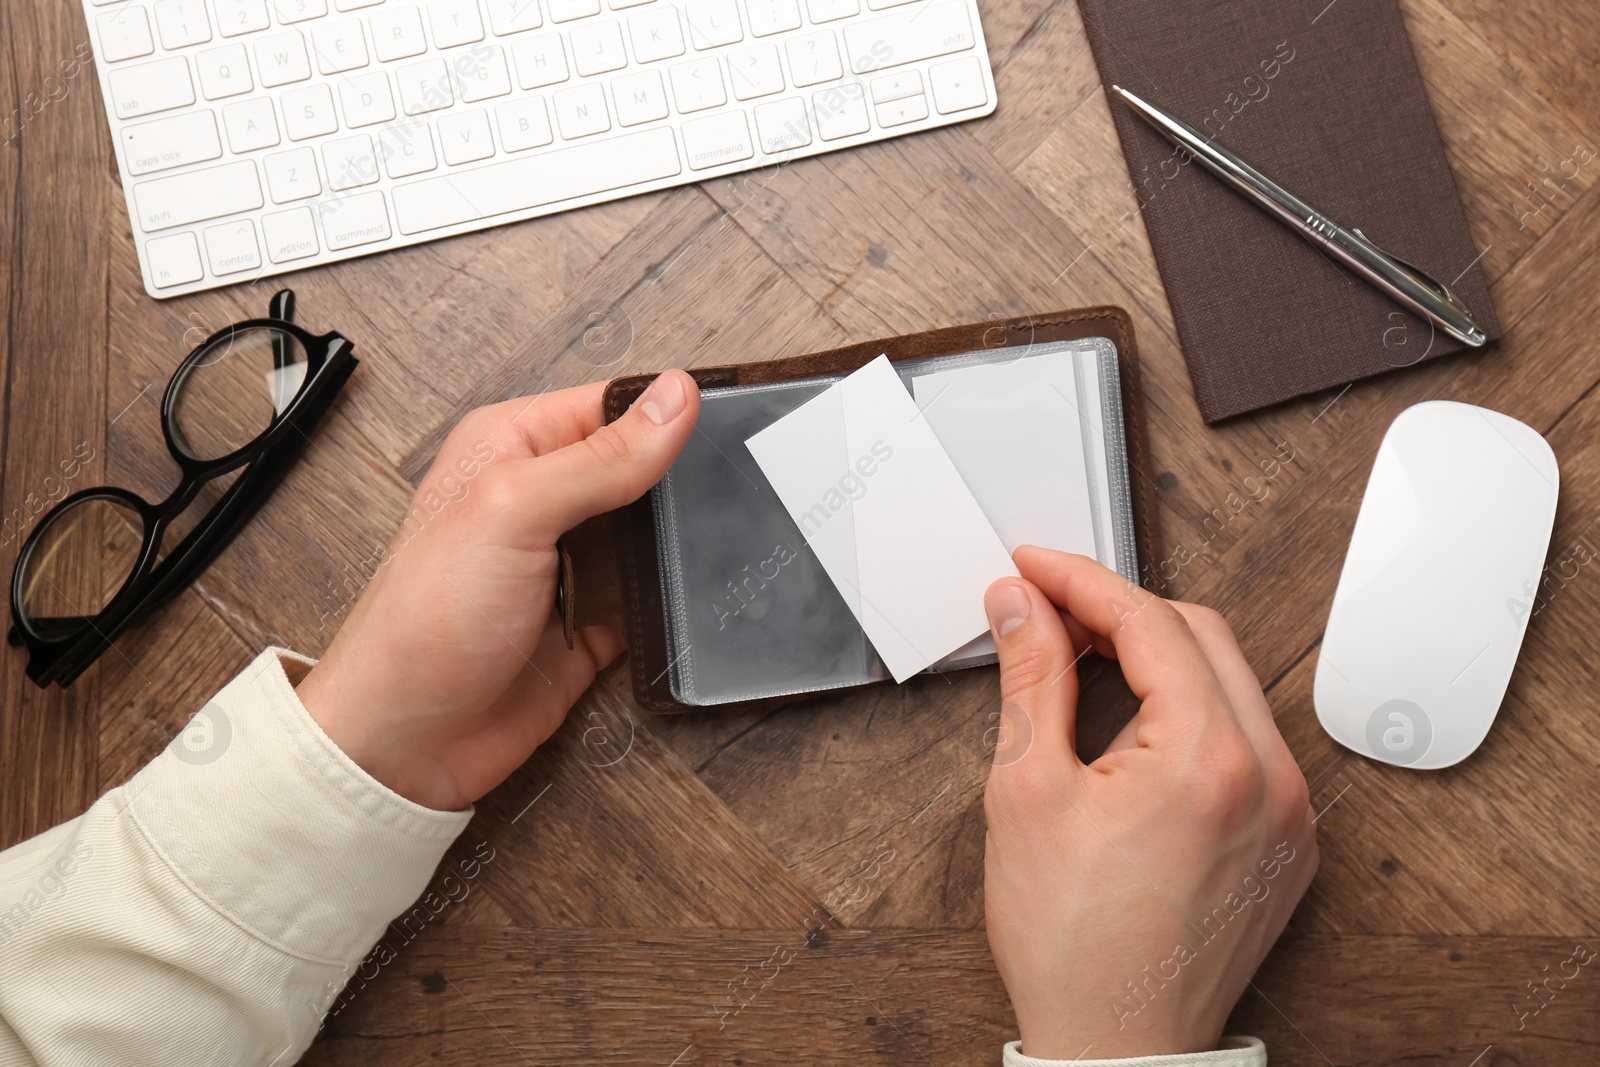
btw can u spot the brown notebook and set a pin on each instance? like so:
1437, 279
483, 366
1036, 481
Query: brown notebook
611, 569
1326, 99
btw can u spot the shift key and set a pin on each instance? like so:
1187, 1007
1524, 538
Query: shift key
197, 195
931, 28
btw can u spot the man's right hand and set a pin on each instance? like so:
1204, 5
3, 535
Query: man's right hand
1130, 900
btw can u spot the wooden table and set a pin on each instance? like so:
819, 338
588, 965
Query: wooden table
663, 908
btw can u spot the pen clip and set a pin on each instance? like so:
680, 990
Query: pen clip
1421, 277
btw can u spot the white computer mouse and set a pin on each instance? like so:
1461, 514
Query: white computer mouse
1438, 585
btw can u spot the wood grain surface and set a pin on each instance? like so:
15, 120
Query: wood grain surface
805, 886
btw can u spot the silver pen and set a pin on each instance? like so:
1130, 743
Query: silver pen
1410, 285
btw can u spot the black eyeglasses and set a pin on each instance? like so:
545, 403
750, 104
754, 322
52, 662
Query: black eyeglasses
245, 400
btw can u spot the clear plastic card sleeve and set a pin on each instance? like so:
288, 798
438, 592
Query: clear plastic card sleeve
750, 612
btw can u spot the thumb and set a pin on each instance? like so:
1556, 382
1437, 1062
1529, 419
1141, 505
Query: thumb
618, 463
1038, 671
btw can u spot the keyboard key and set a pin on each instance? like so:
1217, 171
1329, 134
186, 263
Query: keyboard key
713, 23
397, 33
899, 112
540, 60
534, 181
287, 12
839, 114
355, 220
485, 79
958, 85
290, 235
931, 29
828, 10
656, 34
513, 16
182, 23
717, 139
523, 123
350, 162
196, 196
813, 58
782, 126
880, 5
597, 47
772, 16
339, 46
618, 5
640, 97
308, 112
291, 11
567, 10
231, 247
697, 84
144, 89
407, 149
755, 71
241, 16
466, 137
896, 86
250, 124
365, 99
224, 71
355, 5
424, 86
282, 59
173, 142
292, 175
173, 260
581, 111
124, 34
454, 22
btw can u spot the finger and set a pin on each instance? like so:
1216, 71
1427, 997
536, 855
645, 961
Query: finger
614, 465
1238, 679
1159, 656
1083, 637
605, 644
1038, 679
526, 426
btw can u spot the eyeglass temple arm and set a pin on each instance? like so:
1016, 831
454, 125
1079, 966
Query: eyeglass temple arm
239, 504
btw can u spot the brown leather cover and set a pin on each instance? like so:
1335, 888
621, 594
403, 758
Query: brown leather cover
609, 564
1325, 99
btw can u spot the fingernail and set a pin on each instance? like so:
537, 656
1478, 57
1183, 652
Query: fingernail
1007, 604
663, 401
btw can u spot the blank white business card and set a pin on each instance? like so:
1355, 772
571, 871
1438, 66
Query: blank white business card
1015, 434
897, 530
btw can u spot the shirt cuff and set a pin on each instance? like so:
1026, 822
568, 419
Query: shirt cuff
266, 819
1233, 1052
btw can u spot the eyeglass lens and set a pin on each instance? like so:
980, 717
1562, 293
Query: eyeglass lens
233, 389
81, 559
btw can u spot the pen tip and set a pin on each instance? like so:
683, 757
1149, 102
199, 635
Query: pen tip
1116, 88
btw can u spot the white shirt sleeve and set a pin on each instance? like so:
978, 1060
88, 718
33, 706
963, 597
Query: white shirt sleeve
211, 909
1235, 1052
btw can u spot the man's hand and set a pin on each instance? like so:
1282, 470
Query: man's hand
1130, 900
452, 668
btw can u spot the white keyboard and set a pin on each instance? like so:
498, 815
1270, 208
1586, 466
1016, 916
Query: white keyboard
263, 136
